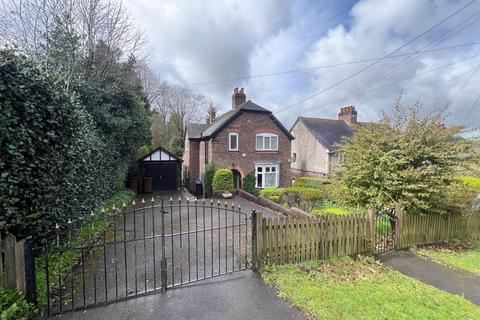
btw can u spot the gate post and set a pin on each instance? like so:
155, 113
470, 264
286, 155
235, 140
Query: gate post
257, 240
163, 262
398, 225
30, 275
370, 231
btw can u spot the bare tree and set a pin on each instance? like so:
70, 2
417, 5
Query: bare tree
30, 25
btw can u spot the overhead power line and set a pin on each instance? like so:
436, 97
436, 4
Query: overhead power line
378, 61
264, 75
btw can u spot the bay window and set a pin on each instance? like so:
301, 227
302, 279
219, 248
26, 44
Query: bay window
267, 141
267, 175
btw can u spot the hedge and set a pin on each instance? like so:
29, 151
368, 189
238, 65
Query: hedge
249, 184
331, 211
308, 182
208, 180
63, 153
273, 194
223, 180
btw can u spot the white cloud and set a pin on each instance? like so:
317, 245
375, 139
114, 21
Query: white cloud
197, 41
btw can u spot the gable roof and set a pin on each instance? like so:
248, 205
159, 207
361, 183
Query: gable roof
328, 132
208, 131
159, 150
195, 130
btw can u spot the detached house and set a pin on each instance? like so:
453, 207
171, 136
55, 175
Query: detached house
316, 142
248, 139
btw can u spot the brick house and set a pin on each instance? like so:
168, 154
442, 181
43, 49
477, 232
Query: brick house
248, 139
314, 149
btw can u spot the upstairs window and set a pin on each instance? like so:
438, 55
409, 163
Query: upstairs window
233, 141
267, 141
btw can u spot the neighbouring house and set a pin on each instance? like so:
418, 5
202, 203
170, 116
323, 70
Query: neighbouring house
314, 149
248, 139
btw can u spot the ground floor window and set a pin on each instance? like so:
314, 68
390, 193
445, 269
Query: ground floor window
267, 175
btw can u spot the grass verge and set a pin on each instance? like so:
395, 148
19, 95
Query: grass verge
462, 255
363, 289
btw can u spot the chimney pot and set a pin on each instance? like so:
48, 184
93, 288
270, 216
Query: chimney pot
348, 114
238, 97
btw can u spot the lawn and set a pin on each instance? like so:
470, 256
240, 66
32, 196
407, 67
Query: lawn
363, 289
464, 256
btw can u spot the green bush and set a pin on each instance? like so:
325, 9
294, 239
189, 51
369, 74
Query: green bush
249, 184
307, 194
331, 211
308, 182
472, 183
273, 194
208, 180
223, 180
14, 306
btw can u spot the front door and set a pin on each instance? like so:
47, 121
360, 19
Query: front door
237, 179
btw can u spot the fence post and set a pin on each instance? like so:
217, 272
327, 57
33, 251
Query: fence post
30, 275
370, 231
398, 225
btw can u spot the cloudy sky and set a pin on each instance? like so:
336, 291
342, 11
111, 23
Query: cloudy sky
309, 46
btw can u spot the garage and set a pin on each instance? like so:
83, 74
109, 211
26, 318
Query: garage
160, 170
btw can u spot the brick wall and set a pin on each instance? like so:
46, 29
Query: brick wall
191, 163
247, 125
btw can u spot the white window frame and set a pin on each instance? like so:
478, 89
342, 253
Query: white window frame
230, 141
263, 136
263, 173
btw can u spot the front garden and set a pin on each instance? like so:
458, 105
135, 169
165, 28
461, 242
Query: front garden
312, 195
363, 289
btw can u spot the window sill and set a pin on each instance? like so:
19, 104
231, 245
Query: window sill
267, 151
233, 150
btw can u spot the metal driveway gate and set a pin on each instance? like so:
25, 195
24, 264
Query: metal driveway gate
126, 253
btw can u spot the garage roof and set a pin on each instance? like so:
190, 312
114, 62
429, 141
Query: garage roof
160, 154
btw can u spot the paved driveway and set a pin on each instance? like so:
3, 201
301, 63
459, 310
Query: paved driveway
241, 295
202, 241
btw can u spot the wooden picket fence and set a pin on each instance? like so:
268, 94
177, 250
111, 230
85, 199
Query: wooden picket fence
12, 263
287, 240
425, 229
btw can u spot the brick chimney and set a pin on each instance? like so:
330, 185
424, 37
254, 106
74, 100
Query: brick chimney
238, 97
211, 114
348, 114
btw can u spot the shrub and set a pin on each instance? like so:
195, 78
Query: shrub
249, 184
208, 180
472, 183
223, 180
331, 211
273, 194
308, 182
307, 194
14, 306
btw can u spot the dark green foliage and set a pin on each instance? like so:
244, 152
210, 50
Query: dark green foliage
208, 180
249, 184
59, 158
223, 180
14, 306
